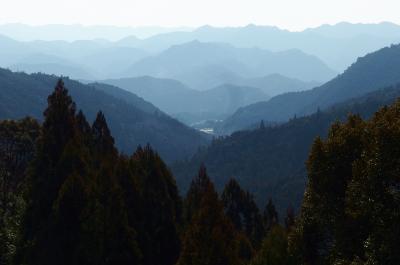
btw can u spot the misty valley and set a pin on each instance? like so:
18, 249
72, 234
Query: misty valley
248, 145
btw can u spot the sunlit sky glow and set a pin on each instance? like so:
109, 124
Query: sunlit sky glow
288, 14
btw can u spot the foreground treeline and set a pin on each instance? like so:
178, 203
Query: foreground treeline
69, 197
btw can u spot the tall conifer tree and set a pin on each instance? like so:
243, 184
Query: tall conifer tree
41, 242
210, 236
160, 210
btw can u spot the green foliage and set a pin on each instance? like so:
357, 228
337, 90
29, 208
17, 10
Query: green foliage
350, 212
17, 140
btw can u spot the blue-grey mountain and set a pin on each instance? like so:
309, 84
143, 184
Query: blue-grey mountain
376, 70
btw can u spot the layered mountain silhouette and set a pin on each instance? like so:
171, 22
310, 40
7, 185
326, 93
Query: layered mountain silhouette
373, 71
84, 59
74, 32
132, 120
191, 105
50, 64
205, 65
337, 45
275, 84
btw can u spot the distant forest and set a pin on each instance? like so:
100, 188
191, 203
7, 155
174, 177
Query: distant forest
68, 196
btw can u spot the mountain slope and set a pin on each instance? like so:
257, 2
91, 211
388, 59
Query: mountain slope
270, 161
348, 30
375, 70
52, 69
275, 84
131, 124
167, 94
126, 96
223, 62
190, 105
110, 61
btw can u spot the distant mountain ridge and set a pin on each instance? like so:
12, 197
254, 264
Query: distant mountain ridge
84, 59
337, 45
275, 84
199, 65
74, 32
375, 70
195, 64
348, 30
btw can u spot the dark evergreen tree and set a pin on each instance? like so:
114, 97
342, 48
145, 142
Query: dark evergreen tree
262, 125
76, 212
66, 229
103, 142
40, 240
233, 200
113, 238
253, 221
270, 215
84, 128
290, 218
200, 184
161, 209
210, 237
240, 207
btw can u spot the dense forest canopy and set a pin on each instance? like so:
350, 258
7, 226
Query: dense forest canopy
68, 196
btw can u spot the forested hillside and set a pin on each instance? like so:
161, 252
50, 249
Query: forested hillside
374, 71
132, 120
270, 160
68, 196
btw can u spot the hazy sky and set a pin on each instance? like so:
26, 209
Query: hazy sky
289, 14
